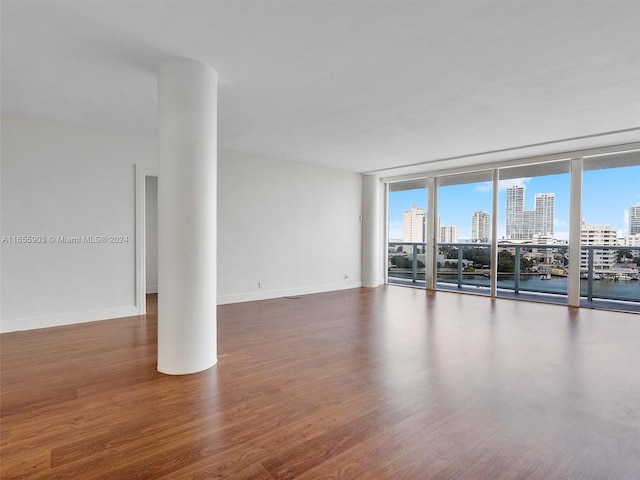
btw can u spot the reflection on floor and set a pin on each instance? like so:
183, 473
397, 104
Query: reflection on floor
596, 303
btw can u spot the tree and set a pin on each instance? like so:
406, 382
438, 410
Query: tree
448, 251
404, 262
506, 262
525, 264
400, 262
624, 253
479, 256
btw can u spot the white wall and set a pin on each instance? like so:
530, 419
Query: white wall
294, 227
59, 180
151, 233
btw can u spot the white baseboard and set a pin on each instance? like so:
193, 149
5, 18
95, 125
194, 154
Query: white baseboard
15, 325
20, 324
152, 289
268, 294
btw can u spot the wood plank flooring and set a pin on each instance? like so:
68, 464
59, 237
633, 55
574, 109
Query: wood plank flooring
386, 383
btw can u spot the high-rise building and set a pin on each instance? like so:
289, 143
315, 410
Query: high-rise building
413, 225
515, 211
448, 234
528, 228
544, 213
524, 224
604, 235
480, 227
633, 241
634, 219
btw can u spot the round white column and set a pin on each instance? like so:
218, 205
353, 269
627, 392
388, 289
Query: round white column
187, 189
370, 230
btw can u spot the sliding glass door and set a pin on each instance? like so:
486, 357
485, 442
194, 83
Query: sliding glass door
406, 233
533, 231
463, 232
610, 231
562, 230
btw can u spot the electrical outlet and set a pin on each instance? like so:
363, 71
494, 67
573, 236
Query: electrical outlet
346, 275
260, 284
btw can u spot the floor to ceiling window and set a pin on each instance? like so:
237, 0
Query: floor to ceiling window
533, 230
610, 230
463, 231
562, 230
407, 214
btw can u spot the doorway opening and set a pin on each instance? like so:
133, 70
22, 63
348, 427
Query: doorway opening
151, 242
146, 238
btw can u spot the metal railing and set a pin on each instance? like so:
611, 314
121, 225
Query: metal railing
615, 282
463, 276
544, 270
412, 253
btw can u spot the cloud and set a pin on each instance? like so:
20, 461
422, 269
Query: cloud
558, 222
484, 187
504, 184
623, 231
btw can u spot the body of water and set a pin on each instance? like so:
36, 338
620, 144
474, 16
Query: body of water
621, 290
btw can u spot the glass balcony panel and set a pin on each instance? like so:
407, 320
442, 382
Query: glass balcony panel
464, 266
599, 281
406, 264
538, 269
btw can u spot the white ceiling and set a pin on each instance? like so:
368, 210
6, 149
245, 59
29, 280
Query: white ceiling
359, 85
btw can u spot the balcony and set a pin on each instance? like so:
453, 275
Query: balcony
525, 271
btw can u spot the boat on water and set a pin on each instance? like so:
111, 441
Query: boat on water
545, 276
558, 272
585, 276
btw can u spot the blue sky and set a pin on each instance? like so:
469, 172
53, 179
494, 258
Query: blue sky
607, 195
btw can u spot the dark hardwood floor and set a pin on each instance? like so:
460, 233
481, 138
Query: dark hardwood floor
386, 383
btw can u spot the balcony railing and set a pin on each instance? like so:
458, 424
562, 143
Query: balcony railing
599, 280
405, 265
540, 269
458, 264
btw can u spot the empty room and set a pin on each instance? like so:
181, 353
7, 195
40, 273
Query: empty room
320, 239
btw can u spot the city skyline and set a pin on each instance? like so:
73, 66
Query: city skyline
414, 227
524, 224
607, 197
